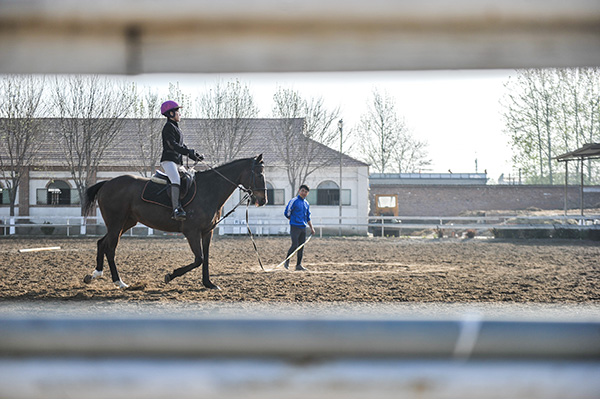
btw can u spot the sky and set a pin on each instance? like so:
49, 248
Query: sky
458, 113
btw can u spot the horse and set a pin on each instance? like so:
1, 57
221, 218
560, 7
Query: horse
122, 207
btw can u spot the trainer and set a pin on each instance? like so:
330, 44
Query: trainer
298, 212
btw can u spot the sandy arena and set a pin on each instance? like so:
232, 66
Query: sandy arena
340, 270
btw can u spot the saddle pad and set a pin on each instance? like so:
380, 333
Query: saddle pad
156, 193
158, 180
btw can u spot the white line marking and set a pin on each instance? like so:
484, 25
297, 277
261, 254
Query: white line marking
38, 249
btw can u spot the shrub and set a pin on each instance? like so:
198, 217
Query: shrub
563, 233
584, 234
47, 230
567, 233
521, 233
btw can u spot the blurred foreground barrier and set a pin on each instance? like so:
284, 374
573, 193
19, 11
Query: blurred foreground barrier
274, 358
71, 36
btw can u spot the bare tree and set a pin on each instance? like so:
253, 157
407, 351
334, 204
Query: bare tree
532, 119
386, 140
229, 108
90, 112
177, 95
20, 134
303, 154
548, 112
579, 113
410, 154
147, 131
589, 79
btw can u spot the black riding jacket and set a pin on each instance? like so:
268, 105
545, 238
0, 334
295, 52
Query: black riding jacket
173, 147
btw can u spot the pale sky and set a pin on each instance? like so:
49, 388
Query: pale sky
458, 113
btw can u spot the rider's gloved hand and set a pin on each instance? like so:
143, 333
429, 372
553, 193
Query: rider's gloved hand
194, 156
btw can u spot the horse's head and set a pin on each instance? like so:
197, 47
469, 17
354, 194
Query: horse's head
254, 180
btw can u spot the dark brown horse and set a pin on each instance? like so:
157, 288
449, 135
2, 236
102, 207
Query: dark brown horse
120, 202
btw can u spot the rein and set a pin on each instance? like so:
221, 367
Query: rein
252, 237
244, 189
239, 186
246, 198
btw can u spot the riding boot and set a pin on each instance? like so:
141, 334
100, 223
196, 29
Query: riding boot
178, 212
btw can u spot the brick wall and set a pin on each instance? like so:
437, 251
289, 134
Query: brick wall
444, 200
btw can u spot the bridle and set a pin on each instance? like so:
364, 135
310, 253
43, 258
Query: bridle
252, 187
248, 190
247, 197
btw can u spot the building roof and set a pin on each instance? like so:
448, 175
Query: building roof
588, 151
397, 179
124, 149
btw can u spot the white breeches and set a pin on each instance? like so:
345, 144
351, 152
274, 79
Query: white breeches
172, 170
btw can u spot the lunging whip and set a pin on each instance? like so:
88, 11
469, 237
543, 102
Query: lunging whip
292, 254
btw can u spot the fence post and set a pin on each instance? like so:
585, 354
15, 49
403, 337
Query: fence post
11, 229
83, 228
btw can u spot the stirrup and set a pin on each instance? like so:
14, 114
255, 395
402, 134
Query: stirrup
179, 214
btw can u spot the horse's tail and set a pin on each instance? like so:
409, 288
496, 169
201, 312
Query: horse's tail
90, 197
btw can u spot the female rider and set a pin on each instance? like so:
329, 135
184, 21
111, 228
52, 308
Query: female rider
173, 150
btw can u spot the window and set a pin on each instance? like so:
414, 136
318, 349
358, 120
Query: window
386, 201
275, 196
4, 196
58, 192
328, 193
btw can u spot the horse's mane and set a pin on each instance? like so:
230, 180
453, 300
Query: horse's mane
226, 165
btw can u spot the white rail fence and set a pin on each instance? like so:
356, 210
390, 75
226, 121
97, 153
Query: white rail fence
378, 225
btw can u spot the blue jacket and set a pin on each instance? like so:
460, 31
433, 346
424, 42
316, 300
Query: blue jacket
298, 211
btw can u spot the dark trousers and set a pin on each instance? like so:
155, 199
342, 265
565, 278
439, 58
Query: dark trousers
298, 235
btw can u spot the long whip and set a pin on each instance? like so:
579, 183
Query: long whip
292, 254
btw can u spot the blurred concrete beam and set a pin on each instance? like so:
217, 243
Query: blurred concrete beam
109, 36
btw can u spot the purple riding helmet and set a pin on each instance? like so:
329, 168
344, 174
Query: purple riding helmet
168, 106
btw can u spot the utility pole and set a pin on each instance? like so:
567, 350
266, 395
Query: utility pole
340, 127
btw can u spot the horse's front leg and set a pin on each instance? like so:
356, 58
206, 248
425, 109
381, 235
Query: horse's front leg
99, 263
206, 238
196, 246
107, 245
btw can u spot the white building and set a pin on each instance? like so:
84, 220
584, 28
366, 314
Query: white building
47, 190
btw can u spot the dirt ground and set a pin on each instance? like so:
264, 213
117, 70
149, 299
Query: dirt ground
349, 269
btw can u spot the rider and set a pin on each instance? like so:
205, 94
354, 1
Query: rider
173, 149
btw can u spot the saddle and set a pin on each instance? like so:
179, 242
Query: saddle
186, 180
157, 189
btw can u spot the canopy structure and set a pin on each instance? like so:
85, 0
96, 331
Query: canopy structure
588, 151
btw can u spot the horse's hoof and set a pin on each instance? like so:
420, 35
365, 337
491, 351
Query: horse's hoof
167, 278
87, 279
120, 284
211, 286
